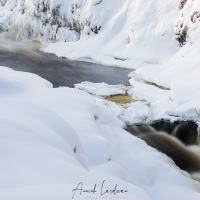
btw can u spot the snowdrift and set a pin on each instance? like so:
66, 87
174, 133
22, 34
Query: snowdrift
181, 73
54, 138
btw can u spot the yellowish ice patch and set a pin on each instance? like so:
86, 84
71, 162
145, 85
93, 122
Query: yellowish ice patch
120, 99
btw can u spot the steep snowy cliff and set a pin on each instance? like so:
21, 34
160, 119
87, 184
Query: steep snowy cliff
119, 30
181, 73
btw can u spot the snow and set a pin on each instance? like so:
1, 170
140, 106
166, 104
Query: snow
101, 89
138, 35
134, 34
123, 33
26, 81
54, 138
134, 113
146, 36
158, 39
161, 102
180, 72
152, 50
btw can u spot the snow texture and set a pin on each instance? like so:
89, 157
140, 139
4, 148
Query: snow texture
181, 72
101, 89
158, 38
126, 33
54, 138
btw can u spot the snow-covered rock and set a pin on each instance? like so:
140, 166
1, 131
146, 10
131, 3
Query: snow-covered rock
101, 89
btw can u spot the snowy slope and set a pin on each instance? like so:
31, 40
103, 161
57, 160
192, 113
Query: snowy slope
123, 32
54, 138
181, 73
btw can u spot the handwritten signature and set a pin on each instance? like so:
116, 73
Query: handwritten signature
114, 191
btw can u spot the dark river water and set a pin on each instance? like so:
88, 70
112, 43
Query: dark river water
25, 56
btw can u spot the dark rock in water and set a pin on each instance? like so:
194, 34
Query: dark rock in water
185, 131
165, 125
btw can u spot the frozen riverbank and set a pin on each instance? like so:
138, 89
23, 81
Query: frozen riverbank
157, 38
54, 138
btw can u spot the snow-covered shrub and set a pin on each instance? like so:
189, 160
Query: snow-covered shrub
181, 35
188, 23
66, 35
51, 15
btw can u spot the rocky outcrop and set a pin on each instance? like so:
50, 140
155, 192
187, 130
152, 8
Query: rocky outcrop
188, 22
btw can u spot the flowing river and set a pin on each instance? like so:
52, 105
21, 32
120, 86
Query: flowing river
25, 56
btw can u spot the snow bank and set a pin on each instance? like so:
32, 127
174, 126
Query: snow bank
26, 81
133, 113
54, 138
180, 73
132, 33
